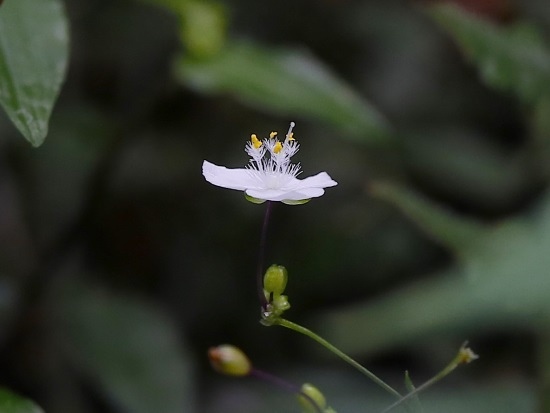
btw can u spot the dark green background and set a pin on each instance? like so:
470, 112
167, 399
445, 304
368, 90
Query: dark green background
120, 265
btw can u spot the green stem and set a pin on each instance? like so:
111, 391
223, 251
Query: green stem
424, 386
464, 355
302, 330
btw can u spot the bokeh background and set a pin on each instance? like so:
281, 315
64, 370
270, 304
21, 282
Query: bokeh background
120, 266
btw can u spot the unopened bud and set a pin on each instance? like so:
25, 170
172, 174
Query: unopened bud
275, 280
230, 360
314, 395
280, 303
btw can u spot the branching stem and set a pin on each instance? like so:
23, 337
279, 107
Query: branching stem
465, 355
302, 330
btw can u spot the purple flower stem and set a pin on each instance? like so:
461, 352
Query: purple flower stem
283, 384
261, 255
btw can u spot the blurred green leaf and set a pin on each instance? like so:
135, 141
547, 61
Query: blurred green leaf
511, 58
12, 403
130, 348
502, 280
466, 165
33, 58
293, 83
453, 231
203, 28
203, 24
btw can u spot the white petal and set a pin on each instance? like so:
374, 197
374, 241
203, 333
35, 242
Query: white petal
239, 178
304, 193
321, 180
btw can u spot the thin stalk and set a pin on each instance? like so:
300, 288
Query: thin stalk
464, 356
261, 255
302, 330
422, 387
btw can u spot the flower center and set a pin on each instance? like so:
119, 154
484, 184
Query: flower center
272, 181
270, 159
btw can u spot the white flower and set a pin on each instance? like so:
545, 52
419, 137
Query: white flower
270, 176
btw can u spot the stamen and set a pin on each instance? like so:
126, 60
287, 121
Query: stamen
255, 141
272, 135
278, 147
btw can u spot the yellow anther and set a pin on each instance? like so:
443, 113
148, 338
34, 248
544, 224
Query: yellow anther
278, 147
290, 136
272, 135
255, 141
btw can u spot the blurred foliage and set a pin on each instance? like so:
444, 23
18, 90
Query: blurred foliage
120, 266
513, 58
12, 403
142, 366
33, 61
202, 24
500, 280
287, 82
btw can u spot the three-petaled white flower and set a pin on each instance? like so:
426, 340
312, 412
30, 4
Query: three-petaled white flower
270, 176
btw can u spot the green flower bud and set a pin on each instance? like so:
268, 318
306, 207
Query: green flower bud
315, 394
280, 304
275, 280
230, 360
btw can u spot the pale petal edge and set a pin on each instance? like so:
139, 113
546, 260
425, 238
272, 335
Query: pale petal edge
280, 195
238, 178
321, 180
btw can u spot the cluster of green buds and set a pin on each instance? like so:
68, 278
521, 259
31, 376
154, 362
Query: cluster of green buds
315, 395
275, 280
